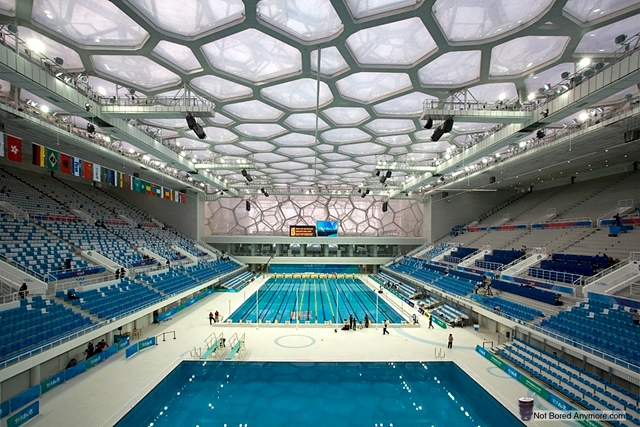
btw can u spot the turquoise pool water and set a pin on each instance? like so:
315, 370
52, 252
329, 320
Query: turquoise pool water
270, 394
314, 300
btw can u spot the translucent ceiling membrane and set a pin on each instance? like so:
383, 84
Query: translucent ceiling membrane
397, 43
298, 94
587, 11
257, 146
230, 149
370, 87
390, 126
93, 23
219, 135
219, 119
306, 20
190, 18
260, 130
338, 136
106, 88
253, 110
8, 7
295, 151
364, 8
221, 89
331, 62
189, 143
269, 157
452, 69
472, 20
492, 92
167, 123
405, 105
178, 55
430, 147
254, 56
51, 49
602, 40
346, 115
138, 71
524, 54
551, 76
295, 140
394, 140
334, 156
362, 148
305, 121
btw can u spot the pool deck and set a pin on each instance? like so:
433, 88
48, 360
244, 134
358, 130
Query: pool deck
101, 396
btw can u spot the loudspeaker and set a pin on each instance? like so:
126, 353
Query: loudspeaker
492, 180
385, 206
247, 205
447, 125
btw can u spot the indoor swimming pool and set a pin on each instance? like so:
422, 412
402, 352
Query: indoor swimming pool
314, 300
270, 394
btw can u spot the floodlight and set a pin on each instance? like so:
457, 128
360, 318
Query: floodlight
191, 121
565, 75
377, 172
91, 128
437, 134
197, 129
429, 123
621, 39
447, 126
58, 60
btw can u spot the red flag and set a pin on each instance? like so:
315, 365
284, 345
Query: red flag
65, 163
14, 149
87, 170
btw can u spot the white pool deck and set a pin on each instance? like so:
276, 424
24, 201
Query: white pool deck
102, 395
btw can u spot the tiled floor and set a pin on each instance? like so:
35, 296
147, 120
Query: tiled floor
104, 394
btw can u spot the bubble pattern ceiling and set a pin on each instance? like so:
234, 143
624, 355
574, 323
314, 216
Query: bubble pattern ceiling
379, 61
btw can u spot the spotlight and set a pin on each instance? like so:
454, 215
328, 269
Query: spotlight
565, 75
58, 61
91, 128
377, 172
367, 192
191, 121
246, 175
87, 107
540, 134
385, 206
447, 126
263, 191
620, 39
388, 174
429, 123
247, 206
363, 194
437, 134
197, 129
383, 178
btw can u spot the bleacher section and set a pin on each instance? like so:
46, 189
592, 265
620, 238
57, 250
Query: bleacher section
450, 314
141, 238
511, 309
589, 390
36, 322
30, 199
207, 270
115, 300
527, 291
456, 282
238, 282
599, 325
499, 258
313, 268
459, 253
169, 282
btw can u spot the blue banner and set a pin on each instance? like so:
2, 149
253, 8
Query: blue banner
25, 397
5, 408
52, 382
94, 360
131, 351
122, 343
149, 342
75, 370
24, 415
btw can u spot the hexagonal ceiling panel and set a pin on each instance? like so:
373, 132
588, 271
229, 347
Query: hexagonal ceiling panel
306, 20
397, 43
452, 69
136, 71
298, 94
178, 55
256, 65
525, 54
469, 20
91, 23
254, 56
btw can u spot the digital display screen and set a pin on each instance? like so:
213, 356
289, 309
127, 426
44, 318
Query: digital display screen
302, 231
327, 228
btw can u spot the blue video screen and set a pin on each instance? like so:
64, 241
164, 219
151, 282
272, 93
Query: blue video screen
327, 228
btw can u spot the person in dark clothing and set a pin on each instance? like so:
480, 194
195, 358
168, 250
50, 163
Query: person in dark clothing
71, 295
90, 351
23, 291
117, 273
210, 318
67, 264
351, 322
618, 220
366, 321
430, 322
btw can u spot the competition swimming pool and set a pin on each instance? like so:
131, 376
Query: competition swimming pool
270, 394
314, 300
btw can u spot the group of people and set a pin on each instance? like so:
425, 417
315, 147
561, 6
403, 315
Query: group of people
97, 349
214, 318
120, 273
392, 286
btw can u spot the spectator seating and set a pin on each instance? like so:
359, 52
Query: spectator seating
499, 258
140, 238
601, 326
510, 308
319, 268
208, 270
238, 282
28, 198
587, 389
169, 282
35, 322
115, 300
459, 283
598, 261
459, 253
568, 267
556, 276
537, 294
449, 313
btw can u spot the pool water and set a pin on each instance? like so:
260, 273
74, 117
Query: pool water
332, 394
314, 300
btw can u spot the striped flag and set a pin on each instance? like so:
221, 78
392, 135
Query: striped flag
38, 155
77, 166
97, 172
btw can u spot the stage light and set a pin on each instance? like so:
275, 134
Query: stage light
437, 134
531, 96
385, 206
197, 129
447, 126
58, 60
363, 194
377, 172
429, 123
584, 62
246, 175
191, 121
91, 128
247, 205
620, 39
565, 75
388, 174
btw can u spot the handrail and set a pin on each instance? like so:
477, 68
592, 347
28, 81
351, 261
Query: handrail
24, 268
514, 262
605, 272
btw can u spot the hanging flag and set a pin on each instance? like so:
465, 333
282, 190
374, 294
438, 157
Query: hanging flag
175, 196
1, 144
147, 187
121, 179
65, 163
110, 176
167, 193
136, 185
182, 198
159, 191
77, 166
97, 172
14, 149
52, 159
38, 155
87, 170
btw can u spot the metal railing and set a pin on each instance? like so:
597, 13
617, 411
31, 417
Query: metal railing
606, 271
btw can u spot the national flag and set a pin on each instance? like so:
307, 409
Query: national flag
132, 183
136, 185
182, 198
175, 196
1, 144
52, 159
97, 172
147, 187
103, 175
14, 149
76, 166
159, 191
111, 177
167, 193
87, 170
65, 163
37, 152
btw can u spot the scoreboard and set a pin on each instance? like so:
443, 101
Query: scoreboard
302, 231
